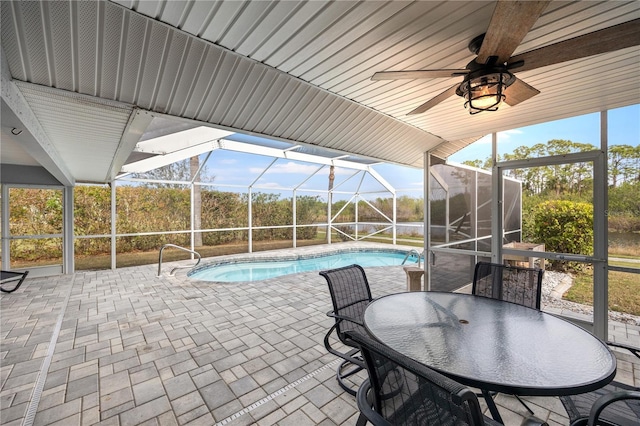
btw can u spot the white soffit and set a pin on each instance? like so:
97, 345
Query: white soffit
85, 131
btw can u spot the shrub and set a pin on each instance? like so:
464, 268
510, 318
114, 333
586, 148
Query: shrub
564, 227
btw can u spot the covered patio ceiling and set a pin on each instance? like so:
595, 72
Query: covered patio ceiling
82, 81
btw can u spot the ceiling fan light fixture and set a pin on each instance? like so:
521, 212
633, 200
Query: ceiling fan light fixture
484, 91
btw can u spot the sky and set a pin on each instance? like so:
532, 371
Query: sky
231, 168
624, 128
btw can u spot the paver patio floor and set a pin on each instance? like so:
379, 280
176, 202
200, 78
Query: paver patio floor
125, 347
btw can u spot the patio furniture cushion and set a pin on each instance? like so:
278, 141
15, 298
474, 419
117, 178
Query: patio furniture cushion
10, 276
350, 295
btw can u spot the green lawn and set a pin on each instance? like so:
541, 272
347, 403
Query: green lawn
624, 290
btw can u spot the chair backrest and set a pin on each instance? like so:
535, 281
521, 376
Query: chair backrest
508, 283
405, 392
616, 403
350, 295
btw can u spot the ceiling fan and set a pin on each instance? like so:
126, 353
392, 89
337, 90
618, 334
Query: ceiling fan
488, 79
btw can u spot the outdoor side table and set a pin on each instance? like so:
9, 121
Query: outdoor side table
491, 344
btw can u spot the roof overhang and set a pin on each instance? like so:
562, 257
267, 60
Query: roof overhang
93, 74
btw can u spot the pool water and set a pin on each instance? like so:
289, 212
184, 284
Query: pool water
264, 269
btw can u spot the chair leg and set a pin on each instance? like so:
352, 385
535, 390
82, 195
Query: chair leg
491, 404
362, 420
524, 404
351, 359
343, 373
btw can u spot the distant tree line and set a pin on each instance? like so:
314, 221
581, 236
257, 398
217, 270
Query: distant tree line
623, 165
141, 209
574, 182
149, 209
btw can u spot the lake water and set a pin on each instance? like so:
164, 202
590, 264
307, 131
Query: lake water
615, 238
624, 238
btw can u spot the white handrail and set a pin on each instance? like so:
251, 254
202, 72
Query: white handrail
177, 267
409, 254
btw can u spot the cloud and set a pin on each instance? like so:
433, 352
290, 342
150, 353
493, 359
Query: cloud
274, 185
291, 167
483, 140
507, 133
228, 161
502, 136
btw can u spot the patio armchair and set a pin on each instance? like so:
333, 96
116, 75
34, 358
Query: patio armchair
401, 391
511, 284
616, 404
10, 276
350, 295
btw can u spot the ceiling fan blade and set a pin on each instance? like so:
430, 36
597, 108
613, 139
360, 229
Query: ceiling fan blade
518, 92
436, 100
510, 23
606, 40
413, 75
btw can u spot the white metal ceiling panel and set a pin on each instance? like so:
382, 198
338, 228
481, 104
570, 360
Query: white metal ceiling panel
300, 71
295, 35
85, 28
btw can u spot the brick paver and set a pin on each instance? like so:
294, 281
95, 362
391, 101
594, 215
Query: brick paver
133, 348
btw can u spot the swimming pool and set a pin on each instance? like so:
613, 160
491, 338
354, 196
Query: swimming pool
262, 269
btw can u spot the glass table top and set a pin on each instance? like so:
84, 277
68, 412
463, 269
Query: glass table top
492, 344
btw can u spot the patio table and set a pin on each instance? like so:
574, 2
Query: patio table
492, 345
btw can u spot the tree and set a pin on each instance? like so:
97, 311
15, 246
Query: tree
478, 164
172, 173
624, 164
170, 176
564, 227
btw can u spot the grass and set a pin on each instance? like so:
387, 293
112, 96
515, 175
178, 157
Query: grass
96, 262
624, 290
629, 251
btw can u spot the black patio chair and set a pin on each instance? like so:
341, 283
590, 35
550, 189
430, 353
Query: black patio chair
511, 284
11, 276
616, 404
401, 391
350, 295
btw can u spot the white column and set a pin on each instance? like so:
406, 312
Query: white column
600, 235
6, 242
496, 203
68, 252
427, 220
250, 222
294, 221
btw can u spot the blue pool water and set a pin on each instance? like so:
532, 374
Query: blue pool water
262, 270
